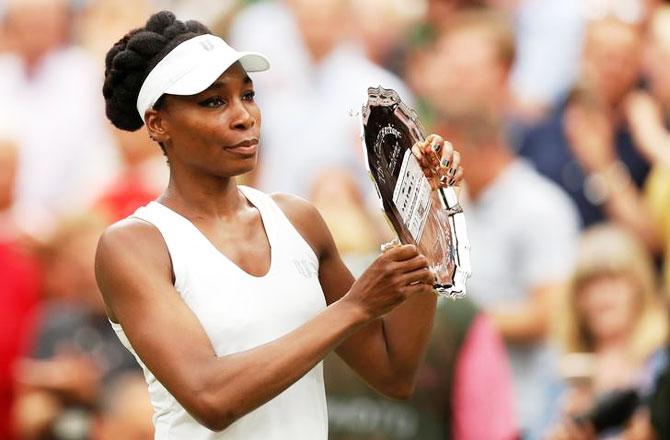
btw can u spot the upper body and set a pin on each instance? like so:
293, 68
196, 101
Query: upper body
47, 188
611, 321
523, 230
586, 146
210, 134
534, 228
240, 311
548, 148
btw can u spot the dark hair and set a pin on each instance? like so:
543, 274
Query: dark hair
130, 60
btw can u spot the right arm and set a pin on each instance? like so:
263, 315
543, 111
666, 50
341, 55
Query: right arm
135, 277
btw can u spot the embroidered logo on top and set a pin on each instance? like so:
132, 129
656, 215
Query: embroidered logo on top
207, 45
306, 268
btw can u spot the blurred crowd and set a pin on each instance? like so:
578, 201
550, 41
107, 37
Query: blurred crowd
560, 110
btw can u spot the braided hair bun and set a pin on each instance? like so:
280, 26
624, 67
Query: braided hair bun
130, 60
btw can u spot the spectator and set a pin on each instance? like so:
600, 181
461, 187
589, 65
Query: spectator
384, 30
465, 375
338, 198
537, 82
478, 41
142, 176
101, 22
19, 288
75, 350
51, 91
648, 115
585, 146
611, 314
522, 227
543, 26
125, 410
660, 401
322, 66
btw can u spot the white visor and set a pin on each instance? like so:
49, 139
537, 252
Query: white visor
193, 66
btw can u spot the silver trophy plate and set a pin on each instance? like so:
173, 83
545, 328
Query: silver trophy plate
430, 219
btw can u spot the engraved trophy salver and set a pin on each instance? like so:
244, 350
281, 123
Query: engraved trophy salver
430, 219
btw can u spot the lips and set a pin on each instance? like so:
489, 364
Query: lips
246, 147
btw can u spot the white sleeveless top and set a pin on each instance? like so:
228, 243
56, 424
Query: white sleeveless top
240, 311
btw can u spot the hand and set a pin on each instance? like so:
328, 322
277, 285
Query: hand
570, 430
439, 161
591, 137
73, 375
645, 119
395, 275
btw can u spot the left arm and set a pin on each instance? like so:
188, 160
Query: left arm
387, 352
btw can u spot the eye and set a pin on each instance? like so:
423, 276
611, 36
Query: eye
213, 102
249, 96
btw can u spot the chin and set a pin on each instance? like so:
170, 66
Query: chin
242, 167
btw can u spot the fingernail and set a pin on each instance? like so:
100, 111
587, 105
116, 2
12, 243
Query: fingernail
445, 163
452, 172
436, 147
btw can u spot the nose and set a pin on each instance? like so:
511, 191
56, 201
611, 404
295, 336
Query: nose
242, 119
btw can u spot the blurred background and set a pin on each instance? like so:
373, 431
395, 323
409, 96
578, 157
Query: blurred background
560, 109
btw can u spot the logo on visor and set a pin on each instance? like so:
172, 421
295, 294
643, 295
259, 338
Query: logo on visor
207, 45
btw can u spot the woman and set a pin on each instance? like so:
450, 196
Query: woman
231, 298
612, 324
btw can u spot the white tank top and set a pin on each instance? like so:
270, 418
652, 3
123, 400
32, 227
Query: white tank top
240, 311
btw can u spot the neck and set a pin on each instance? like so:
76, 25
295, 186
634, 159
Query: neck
202, 196
613, 344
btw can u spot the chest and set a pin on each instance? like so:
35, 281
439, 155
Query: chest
244, 243
238, 310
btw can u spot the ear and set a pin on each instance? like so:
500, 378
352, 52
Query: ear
157, 126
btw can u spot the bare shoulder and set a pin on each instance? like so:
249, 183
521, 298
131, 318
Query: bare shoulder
129, 251
295, 207
131, 236
306, 219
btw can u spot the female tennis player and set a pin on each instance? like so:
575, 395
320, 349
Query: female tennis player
228, 297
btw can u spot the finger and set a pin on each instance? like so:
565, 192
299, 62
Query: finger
448, 176
412, 264
431, 150
417, 150
457, 178
420, 288
455, 160
402, 253
577, 431
446, 154
422, 276
435, 143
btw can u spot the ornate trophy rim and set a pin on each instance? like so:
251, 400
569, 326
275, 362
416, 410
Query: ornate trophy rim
380, 96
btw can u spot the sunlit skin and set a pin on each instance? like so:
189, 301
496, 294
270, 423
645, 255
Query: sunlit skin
379, 324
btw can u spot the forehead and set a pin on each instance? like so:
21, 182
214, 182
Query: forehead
468, 43
611, 33
235, 77
234, 72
